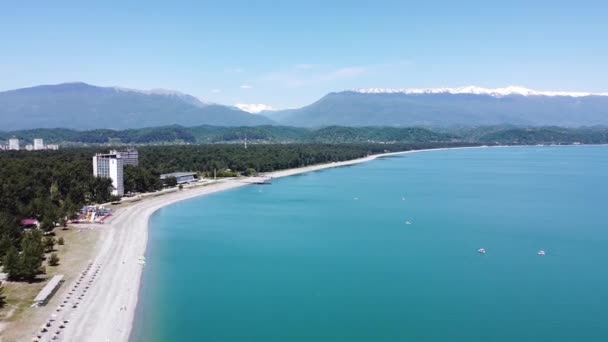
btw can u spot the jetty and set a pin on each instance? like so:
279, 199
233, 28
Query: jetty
258, 180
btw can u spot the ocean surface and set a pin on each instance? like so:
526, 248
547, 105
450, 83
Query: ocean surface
328, 255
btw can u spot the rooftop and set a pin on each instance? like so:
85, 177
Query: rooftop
177, 174
48, 290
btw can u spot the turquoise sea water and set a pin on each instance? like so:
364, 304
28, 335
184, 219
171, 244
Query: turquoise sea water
327, 256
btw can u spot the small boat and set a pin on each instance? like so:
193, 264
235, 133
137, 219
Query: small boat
541, 253
482, 250
408, 222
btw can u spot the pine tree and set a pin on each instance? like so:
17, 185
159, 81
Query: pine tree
32, 255
69, 209
47, 224
54, 192
2, 298
49, 244
5, 244
12, 263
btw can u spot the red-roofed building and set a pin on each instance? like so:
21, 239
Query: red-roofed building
29, 223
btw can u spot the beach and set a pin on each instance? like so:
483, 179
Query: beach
107, 308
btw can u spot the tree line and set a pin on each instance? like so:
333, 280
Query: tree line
329, 135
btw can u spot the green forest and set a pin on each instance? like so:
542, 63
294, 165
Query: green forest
327, 135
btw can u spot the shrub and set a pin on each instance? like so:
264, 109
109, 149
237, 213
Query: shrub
54, 260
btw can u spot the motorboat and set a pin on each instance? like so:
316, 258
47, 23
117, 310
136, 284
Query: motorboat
482, 250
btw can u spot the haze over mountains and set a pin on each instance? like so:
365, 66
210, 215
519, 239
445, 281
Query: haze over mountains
468, 106
83, 106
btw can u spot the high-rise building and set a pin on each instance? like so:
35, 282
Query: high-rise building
13, 144
38, 144
110, 166
129, 156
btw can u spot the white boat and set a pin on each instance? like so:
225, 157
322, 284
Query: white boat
482, 250
541, 253
408, 222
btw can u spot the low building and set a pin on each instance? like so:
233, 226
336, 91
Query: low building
47, 292
13, 144
38, 144
52, 147
29, 147
181, 177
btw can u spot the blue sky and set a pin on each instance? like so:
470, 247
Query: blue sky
290, 53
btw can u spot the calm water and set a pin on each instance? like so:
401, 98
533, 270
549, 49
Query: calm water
327, 256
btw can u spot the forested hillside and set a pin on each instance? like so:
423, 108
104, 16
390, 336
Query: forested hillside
331, 135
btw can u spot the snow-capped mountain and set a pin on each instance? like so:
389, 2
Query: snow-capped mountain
497, 92
466, 106
254, 108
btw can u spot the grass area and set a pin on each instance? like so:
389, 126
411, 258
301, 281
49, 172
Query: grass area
17, 316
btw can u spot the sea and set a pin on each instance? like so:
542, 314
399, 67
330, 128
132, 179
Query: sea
389, 251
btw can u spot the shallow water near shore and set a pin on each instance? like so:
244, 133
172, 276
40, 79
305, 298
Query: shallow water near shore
329, 256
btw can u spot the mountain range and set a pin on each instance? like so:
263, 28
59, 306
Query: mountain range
82, 106
448, 107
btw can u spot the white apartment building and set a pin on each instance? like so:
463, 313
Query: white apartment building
129, 156
13, 144
38, 144
110, 166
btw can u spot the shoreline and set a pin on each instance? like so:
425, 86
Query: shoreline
108, 311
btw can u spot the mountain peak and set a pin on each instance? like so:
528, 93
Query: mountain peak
475, 90
79, 105
165, 92
254, 108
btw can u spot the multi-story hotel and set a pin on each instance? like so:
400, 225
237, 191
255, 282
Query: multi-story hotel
129, 156
110, 166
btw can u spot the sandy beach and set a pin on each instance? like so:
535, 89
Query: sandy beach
106, 307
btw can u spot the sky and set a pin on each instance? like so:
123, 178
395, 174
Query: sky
287, 54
